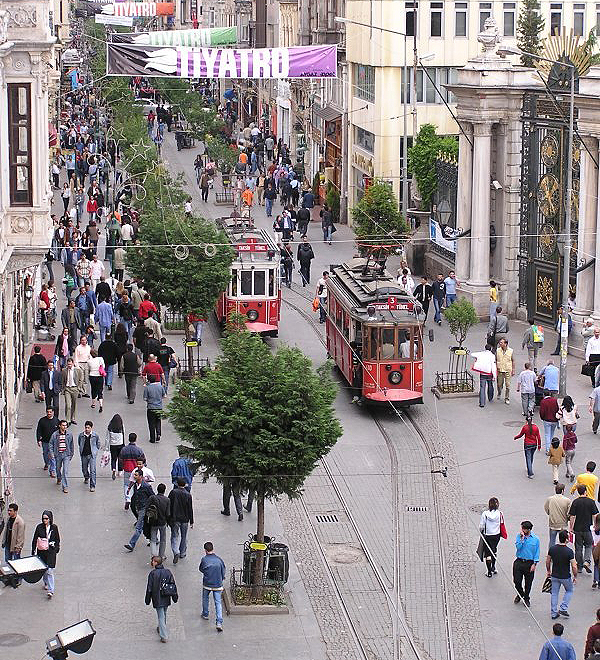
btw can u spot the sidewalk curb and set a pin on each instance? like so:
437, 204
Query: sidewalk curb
233, 610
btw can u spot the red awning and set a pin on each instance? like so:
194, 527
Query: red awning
260, 328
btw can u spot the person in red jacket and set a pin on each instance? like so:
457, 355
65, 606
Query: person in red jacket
531, 442
592, 636
146, 306
548, 410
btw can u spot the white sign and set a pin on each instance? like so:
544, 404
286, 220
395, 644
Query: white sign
127, 21
436, 236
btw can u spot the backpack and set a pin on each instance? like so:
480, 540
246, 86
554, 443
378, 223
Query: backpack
152, 513
538, 334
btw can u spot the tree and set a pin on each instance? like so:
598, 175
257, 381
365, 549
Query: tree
530, 25
591, 49
377, 214
422, 157
192, 284
261, 418
333, 200
461, 316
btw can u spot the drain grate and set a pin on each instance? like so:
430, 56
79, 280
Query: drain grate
416, 509
327, 518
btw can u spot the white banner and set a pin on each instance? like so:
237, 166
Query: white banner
127, 21
436, 236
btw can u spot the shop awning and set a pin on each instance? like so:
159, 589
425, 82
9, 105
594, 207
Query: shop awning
328, 113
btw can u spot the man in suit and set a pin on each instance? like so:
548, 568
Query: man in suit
72, 383
51, 384
71, 318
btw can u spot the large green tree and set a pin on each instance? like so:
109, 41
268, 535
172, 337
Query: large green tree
376, 216
261, 418
530, 25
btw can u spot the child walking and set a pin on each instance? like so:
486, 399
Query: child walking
569, 442
557, 454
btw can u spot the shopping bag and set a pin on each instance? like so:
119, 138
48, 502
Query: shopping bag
105, 458
316, 304
547, 586
480, 548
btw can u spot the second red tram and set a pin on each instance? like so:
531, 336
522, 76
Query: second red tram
374, 333
254, 290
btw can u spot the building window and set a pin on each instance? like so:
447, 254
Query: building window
436, 22
485, 11
555, 18
19, 143
364, 139
426, 89
578, 19
460, 19
364, 82
598, 18
412, 10
509, 19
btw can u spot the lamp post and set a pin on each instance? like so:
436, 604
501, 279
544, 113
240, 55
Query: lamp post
339, 19
564, 324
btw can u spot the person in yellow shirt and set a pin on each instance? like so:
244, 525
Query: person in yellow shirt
493, 298
588, 479
505, 368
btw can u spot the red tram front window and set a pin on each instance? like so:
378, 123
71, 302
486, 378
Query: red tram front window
259, 282
271, 282
246, 282
373, 336
387, 344
234, 282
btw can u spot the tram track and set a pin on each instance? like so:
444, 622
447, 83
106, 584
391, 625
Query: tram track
392, 592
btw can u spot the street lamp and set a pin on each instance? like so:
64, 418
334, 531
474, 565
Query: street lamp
30, 569
339, 19
564, 325
77, 638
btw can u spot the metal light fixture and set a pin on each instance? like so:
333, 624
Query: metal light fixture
77, 638
30, 569
28, 291
444, 211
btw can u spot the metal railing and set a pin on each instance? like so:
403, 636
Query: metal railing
452, 382
267, 592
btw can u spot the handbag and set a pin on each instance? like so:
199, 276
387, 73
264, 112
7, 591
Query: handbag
102, 370
480, 548
168, 589
503, 533
588, 369
547, 586
28, 386
105, 459
41, 543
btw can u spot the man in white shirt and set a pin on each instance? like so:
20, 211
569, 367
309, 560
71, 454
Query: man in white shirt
593, 346
96, 271
526, 385
322, 296
148, 477
126, 232
81, 357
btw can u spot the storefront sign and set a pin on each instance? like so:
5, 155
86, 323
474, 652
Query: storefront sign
363, 163
186, 62
202, 37
436, 236
139, 9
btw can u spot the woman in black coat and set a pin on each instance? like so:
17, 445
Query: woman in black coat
46, 545
159, 576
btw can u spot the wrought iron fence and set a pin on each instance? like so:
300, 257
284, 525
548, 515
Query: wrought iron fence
197, 367
452, 382
173, 320
267, 592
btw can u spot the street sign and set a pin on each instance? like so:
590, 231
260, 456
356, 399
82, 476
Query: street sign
258, 546
394, 304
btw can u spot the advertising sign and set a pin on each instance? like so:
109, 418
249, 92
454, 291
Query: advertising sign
202, 37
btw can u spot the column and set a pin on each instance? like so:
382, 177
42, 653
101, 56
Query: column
463, 202
596, 217
586, 239
480, 205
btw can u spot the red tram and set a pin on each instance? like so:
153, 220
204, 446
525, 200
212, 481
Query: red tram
254, 290
374, 333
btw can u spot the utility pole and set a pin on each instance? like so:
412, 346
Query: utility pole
345, 138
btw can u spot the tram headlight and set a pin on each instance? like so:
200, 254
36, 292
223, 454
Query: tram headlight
395, 377
252, 315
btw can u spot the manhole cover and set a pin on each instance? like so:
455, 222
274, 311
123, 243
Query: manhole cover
13, 639
327, 518
344, 554
416, 509
517, 425
478, 508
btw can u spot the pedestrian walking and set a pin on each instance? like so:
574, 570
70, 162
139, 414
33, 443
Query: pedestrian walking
526, 385
115, 441
595, 408
35, 368
557, 648
46, 545
528, 556
183, 467
43, 433
212, 568
131, 371
231, 486
142, 492
82, 358
304, 256
61, 452
581, 512
588, 479
439, 297
568, 413
557, 508
72, 381
595, 529
423, 292
97, 374
556, 454
158, 512
505, 367
548, 377
128, 457
560, 564
531, 441
569, 442
153, 395
497, 327
593, 636
182, 517
167, 359
322, 296
558, 328
66, 196
451, 283
548, 410
491, 526
533, 340
51, 385
105, 317
160, 591
89, 444
327, 225
14, 534
485, 366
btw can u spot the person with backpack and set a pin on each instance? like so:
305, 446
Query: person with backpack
533, 340
160, 591
158, 512
142, 492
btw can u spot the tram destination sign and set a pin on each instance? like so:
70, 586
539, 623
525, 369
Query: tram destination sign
393, 303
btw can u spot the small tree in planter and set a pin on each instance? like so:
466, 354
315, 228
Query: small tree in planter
461, 316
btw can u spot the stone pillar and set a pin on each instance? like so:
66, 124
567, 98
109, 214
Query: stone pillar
480, 208
595, 217
586, 243
463, 204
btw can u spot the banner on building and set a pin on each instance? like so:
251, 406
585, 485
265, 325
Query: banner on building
186, 62
126, 21
139, 9
436, 236
202, 37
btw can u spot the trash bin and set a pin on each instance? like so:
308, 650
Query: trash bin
250, 559
278, 566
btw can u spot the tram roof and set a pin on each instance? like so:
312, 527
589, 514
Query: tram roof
358, 290
251, 243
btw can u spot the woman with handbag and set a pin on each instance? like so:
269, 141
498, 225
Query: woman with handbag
97, 374
491, 528
46, 545
115, 440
